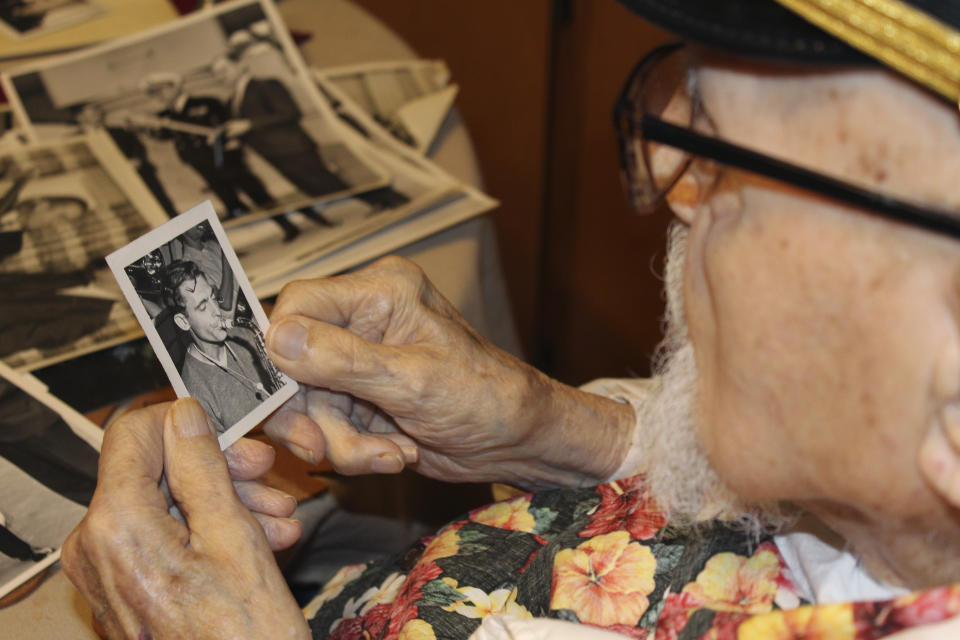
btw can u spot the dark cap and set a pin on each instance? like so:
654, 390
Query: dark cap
919, 38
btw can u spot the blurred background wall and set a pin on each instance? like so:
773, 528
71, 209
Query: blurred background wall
538, 80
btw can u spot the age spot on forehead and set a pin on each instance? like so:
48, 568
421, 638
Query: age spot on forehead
864, 126
874, 161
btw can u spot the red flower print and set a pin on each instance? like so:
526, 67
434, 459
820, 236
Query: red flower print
398, 621
350, 629
933, 605
420, 576
625, 505
375, 619
724, 626
404, 609
673, 617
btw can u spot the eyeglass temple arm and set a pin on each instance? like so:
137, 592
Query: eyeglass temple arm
657, 130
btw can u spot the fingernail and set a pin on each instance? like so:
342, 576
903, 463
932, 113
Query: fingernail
189, 419
304, 454
286, 496
411, 453
387, 463
288, 339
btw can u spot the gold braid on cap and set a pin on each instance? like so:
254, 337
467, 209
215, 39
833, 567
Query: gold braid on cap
907, 39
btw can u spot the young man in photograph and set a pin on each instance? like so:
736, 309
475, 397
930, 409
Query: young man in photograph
222, 368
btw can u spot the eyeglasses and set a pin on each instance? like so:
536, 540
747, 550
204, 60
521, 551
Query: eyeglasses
655, 118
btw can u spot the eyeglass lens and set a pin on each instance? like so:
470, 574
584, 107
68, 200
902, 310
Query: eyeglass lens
660, 86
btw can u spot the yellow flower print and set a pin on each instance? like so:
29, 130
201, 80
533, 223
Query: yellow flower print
444, 545
417, 630
730, 582
333, 588
481, 604
605, 580
512, 514
824, 622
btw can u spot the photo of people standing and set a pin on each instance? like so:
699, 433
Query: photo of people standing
216, 107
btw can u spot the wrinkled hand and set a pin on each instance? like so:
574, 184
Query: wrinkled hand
247, 460
397, 377
146, 573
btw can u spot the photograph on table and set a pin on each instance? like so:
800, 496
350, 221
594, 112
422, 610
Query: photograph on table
412, 192
48, 471
217, 105
408, 98
29, 18
63, 207
423, 199
203, 320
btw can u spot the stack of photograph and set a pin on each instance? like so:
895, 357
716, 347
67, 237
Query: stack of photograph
311, 171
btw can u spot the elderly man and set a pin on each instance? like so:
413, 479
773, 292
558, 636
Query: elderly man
809, 382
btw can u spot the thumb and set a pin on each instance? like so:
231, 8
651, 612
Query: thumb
196, 471
331, 357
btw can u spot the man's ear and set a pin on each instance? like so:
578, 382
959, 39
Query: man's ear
939, 455
181, 321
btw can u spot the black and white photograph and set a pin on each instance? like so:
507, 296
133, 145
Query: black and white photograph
214, 106
424, 200
30, 18
48, 472
413, 192
63, 207
205, 324
409, 98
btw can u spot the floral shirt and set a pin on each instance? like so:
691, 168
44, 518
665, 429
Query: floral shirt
605, 557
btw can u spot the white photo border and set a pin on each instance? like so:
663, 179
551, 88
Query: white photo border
146, 243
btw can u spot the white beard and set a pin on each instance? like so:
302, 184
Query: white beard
678, 473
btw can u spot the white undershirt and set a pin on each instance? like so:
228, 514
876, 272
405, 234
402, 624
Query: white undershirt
826, 575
